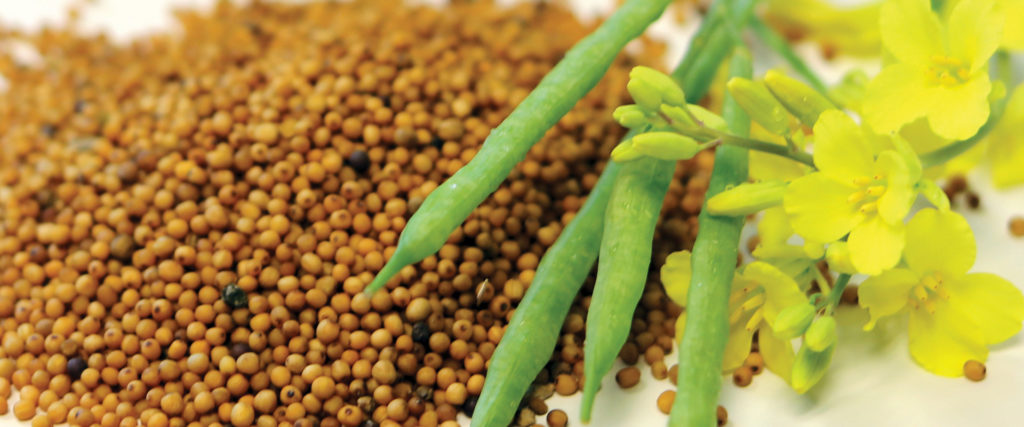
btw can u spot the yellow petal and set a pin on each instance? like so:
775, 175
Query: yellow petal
975, 30
781, 291
886, 294
940, 241
942, 342
875, 245
778, 354
897, 96
910, 31
819, 208
675, 276
737, 348
1006, 142
840, 151
1013, 32
774, 227
994, 305
899, 194
959, 110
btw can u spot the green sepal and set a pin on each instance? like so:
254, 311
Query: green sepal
747, 198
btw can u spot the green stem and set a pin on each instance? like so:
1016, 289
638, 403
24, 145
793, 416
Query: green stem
837, 292
714, 261
775, 41
767, 147
696, 69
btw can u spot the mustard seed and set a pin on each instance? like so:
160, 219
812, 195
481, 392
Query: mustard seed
665, 401
974, 370
628, 377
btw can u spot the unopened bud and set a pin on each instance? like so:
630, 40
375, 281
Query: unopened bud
838, 257
760, 104
630, 116
747, 198
625, 152
683, 119
650, 88
809, 367
821, 334
666, 145
792, 321
801, 100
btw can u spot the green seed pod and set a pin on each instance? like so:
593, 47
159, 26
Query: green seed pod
650, 88
760, 104
747, 198
809, 367
630, 116
821, 334
793, 321
801, 100
666, 145
625, 152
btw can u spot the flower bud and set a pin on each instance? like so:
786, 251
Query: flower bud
651, 88
666, 145
760, 104
821, 334
625, 152
682, 117
809, 367
747, 198
630, 116
792, 321
838, 257
801, 100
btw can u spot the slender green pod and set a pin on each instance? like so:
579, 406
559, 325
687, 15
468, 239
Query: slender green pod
714, 262
581, 68
622, 266
533, 331
713, 41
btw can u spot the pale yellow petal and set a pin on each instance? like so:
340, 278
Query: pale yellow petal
778, 354
897, 96
819, 208
910, 31
991, 302
886, 294
942, 342
841, 151
940, 241
875, 245
975, 30
958, 111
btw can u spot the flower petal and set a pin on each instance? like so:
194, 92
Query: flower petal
942, 342
975, 30
875, 245
819, 209
886, 294
1006, 142
778, 354
737, 348
910, 31
774, 227
675, 276
897, 96
840, 149
958, 111
781, 291
899, 194
939, 241
1013, 32
994, 305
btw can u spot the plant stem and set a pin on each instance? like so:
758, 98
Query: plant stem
837, 292
767, 147
714, 261
775, 41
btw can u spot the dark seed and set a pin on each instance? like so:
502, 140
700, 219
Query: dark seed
359, 161
421, 332
75, 367
234, 296
470, 405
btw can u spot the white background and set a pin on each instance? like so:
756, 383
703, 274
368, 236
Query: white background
872, 380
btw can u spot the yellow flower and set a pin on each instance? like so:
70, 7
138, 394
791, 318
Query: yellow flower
1006, 142
941, 68
860, 190
759, 293
954, 316
848, 30
1013, 32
